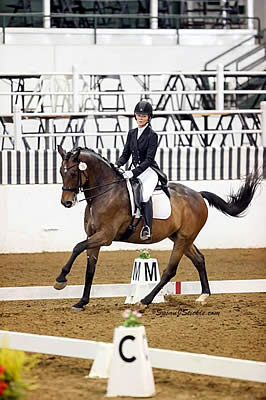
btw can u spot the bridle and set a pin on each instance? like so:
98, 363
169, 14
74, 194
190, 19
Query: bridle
77, 188
80, 187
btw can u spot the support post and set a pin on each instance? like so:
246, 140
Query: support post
47, 14
263, 123
154, 14
75, 78
18, 142
220, 87
224, 13
250, 13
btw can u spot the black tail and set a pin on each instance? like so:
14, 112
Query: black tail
238, 202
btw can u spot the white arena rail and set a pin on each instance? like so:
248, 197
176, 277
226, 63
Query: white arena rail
165, 359
19, 136
124, 290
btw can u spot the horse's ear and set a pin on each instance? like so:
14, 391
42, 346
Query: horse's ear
75, 154
61, 151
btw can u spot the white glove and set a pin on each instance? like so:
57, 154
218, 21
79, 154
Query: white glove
128, 175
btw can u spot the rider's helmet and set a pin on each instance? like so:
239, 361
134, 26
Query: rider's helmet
143, 107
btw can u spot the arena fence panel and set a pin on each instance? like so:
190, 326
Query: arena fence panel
179, 164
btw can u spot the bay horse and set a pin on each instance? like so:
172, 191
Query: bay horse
108, 214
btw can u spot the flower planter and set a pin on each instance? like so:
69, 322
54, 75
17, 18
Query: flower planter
130, 369
145, 275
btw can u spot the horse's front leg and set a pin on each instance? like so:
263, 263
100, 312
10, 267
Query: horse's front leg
168, 273
61, 280
92, 258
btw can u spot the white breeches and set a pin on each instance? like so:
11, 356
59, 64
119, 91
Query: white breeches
149, 180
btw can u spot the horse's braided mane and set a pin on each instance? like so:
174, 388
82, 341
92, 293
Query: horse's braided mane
76, 150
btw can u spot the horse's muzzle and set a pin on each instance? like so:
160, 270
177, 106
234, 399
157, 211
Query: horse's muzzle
68, 203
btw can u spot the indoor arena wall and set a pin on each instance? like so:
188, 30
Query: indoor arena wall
33, 220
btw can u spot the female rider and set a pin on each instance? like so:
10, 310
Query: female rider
142, 144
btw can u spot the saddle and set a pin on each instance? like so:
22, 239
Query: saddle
160, 202
134, 187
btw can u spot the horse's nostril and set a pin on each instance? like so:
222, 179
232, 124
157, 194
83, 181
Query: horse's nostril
67, 204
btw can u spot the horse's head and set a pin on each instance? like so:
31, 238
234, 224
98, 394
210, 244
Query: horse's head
73, 172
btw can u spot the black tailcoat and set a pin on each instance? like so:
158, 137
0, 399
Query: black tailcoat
143, 151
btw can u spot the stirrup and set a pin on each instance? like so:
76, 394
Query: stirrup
145, 233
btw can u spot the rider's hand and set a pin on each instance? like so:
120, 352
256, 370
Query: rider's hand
128, 175
120, 169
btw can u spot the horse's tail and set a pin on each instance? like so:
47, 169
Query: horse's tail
238, 202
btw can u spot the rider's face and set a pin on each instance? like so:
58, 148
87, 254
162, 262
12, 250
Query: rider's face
142, 119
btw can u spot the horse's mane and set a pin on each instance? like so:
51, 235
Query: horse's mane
77, 150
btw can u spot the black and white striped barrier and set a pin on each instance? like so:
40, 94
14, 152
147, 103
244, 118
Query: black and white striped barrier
179, 164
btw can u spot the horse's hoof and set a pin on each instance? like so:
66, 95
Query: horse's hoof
60, 285
202, 299
75, 308
79, 306
141, 307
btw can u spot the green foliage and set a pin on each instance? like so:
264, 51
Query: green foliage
14, 367
131, 318
144, 254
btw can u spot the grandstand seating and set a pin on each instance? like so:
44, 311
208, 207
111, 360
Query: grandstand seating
194, 13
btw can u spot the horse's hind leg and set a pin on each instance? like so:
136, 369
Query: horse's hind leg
61, 280
198, 260
179, 246
92, 258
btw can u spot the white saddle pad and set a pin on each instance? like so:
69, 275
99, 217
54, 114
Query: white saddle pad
160, 202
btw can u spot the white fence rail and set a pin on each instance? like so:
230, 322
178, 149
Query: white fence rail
72, 92
102, 105
128, 289
166, 359
200, 128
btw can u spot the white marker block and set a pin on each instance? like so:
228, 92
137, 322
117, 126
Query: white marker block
101, 364
144, 273
130, 371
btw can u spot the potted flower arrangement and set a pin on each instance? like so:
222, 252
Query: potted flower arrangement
14, 366
130, 368
144, 254
131, 318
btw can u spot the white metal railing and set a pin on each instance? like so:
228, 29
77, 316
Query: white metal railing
71, 91
206, 136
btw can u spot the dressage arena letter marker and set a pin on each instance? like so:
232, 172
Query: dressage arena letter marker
149, 272
136, 271
130, 369
145, 275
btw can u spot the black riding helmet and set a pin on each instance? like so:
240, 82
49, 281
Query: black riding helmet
143, 107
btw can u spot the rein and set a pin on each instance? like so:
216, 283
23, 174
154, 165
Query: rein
96, 187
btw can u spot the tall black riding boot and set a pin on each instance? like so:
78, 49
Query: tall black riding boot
147, 214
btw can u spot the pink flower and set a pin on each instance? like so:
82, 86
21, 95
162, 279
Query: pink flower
126, 313
137, 314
